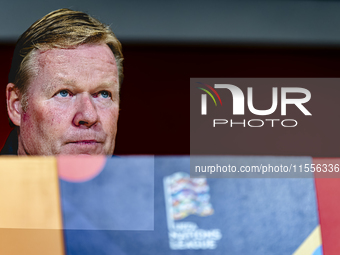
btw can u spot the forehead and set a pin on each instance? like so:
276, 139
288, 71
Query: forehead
85, 61
85, 51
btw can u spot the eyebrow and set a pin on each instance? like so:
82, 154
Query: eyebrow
51, 86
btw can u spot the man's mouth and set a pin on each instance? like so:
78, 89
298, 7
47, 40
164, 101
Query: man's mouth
84, 147
85, 142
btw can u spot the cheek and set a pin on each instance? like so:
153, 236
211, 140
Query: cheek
52, 117
109, 120
25, 117
28, 123
43, 118
33, 117
56, 121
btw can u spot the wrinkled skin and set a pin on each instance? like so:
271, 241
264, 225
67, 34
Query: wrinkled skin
73, 103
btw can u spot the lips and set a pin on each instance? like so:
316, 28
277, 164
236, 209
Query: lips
88, 146
85, 142
85, 139
91, 143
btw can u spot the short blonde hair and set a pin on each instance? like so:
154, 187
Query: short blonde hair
62, 28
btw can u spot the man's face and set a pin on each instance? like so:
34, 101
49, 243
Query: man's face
73, 103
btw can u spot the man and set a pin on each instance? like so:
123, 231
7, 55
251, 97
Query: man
63, 90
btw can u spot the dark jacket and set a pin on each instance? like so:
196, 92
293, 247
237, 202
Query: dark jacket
11, 145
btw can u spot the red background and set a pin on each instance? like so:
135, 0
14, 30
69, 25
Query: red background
154, 116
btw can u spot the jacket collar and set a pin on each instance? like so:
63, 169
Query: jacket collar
11, 145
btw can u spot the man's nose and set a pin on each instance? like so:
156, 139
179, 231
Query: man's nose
86, 111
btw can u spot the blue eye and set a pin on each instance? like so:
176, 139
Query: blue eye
105, 94
64, 93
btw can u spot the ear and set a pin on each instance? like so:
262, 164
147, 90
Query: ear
13, 104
